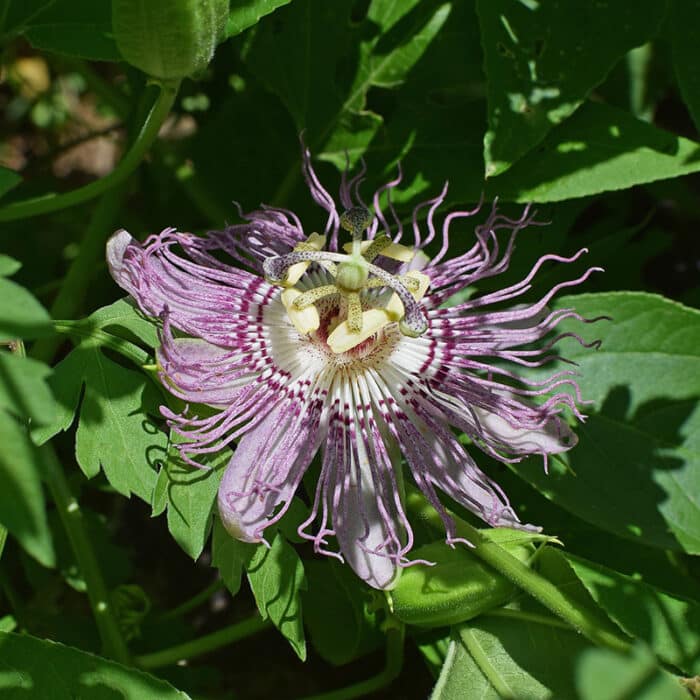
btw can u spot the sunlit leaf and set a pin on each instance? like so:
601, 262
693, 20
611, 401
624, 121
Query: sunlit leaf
542, 60
636, 469
45, 669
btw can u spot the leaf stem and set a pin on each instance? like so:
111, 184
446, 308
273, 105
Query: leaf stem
203, 645
72, 518
85, 330
391, 671
541, 589
145, 137
527, 617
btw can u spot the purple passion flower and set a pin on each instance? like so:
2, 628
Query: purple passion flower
351, 347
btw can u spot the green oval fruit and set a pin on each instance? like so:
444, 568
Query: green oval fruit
168, 39
459, 587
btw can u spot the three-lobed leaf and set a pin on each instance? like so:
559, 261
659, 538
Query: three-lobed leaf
636, 469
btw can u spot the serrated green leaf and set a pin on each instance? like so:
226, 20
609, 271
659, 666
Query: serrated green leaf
685, 36
191, 496
636, 469
668, 624
22, 506
605, 675
81, 28
276, 577
114, 432
44, 669
542, 59
23, 389
599, 149
8, 180
243, 14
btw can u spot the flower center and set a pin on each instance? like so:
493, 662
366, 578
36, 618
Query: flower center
367, 297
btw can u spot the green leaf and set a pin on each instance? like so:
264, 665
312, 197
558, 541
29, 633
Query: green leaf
636, 469
8, 266
605, 675
542, 59
15, 16
685, 36
114, 430
276, 577
81, 28
338, 613
320, 87
122, 316
229, 556
21, 315
8, 180
668, 624
22, 506
245, 13
23, 388
493, 658
40, 668
599, 149
189, 495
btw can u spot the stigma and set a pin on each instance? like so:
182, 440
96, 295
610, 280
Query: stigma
349, 294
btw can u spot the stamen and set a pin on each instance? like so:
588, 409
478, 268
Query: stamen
354, 312
313, 295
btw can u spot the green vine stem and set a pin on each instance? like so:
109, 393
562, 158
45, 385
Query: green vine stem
74, 286
203, 645
541, 589
391, 671
195, 601
145, 137
72, 518
84, 330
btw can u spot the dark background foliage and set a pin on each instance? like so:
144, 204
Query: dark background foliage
590, 110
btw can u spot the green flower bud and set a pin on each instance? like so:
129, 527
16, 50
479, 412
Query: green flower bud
460, 586
169, 39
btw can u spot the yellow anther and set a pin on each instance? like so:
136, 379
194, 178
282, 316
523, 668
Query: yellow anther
395, 251
343, 338
417, 283
315, 242
305, 320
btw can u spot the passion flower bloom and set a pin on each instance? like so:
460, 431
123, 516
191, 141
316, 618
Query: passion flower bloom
354, 349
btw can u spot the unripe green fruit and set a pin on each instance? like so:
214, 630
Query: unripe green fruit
459, 587
169, 39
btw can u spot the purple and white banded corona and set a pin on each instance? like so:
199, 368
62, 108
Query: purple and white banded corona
309, 343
